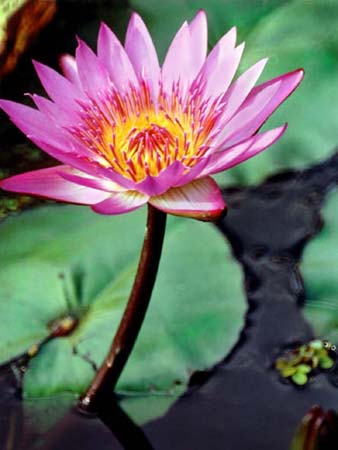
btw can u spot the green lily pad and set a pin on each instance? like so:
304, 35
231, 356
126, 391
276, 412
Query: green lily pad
319, 269
60, 260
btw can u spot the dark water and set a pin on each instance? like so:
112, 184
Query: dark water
241, 404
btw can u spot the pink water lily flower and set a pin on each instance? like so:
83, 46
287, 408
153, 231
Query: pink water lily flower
128, 131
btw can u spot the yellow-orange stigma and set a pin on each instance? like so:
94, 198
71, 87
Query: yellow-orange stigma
136, 138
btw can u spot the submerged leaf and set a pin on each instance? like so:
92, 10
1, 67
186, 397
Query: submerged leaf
61, 260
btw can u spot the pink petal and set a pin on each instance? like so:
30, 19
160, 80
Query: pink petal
259, 105
193, 173
54, 111
103, 184
142, 54
167, 178
200, 199
59, 89
226, 159
93, 74
239, 127
24, 116
224, 47
35, 124
198, 40
220, 78
44, 132
221, 64
112, 54
289, 82
221, 160
69, 69
176, 66
239, 90
121, 202
92, 167
48, 183
73, 157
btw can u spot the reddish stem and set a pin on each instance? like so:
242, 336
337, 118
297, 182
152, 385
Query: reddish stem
104, 382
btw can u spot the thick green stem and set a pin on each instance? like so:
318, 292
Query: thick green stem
103, 385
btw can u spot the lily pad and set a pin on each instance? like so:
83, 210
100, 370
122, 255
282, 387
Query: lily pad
319, 269
60, 260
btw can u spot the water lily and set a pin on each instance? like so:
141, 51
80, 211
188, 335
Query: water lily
128, 131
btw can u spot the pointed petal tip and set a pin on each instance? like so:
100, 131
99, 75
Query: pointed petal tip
259, 66
135, 18
240, 48
8, 185
81, 44
301, 73
296, 75
3, 104
233, 32
284, 127
104, 29
201, 14
3, 184
292, 80
276, 133
262, 62
185, 24
10, 107
137, 23
103, 24
227, 43
38, 66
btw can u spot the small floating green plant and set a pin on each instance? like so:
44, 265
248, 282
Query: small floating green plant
301, 362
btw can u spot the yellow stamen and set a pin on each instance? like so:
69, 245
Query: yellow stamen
137, 138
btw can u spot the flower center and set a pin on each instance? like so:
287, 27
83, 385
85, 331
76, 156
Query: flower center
149, 140
128, 133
